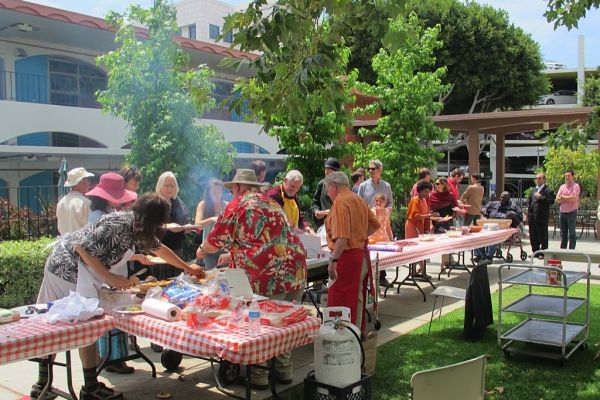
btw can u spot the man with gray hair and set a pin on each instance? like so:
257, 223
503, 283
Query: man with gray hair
348, 227
286, 195
371, 187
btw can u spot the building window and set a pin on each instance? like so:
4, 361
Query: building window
228, 37
178, 32
213, 31
74, 83
192, 31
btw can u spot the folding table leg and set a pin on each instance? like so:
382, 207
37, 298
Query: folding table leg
248, 385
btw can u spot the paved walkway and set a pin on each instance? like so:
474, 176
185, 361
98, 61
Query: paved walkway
398, 314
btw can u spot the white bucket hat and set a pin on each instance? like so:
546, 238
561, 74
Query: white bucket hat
75, 176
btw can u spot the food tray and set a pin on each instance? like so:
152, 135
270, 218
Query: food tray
502, 223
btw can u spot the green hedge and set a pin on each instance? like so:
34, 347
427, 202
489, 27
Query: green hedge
21, 271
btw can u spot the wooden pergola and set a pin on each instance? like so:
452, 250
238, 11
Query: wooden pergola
501, 124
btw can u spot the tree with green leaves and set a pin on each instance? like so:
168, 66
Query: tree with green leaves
585, 164
568, 12
152, 87
300, 89
406, 92
491, 63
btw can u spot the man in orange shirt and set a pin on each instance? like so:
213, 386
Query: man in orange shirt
348, 227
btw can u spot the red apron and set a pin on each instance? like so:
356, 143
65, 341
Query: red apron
347, 288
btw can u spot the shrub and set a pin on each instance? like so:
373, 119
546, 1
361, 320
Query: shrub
21, 271
397, 221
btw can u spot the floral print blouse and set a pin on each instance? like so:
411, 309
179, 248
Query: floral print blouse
254, 229
108, 238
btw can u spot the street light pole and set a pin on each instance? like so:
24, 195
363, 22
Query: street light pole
538, 157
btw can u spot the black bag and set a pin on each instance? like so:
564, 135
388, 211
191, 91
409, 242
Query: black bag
478, 303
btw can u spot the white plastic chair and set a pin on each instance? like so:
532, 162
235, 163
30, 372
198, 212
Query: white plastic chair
446, 291
462, 381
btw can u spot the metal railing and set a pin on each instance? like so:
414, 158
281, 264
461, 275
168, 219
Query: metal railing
28, 212
66, 90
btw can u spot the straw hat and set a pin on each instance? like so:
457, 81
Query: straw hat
112, 189
76, 175
244, 177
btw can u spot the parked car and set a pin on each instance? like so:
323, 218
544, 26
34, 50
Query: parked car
559, 97
553, 65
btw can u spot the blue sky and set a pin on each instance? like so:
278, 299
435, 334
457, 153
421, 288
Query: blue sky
560, 45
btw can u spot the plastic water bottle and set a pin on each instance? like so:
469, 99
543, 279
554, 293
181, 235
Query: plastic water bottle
254, 319
223, 284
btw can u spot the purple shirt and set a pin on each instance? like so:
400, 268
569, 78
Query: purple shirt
567, 206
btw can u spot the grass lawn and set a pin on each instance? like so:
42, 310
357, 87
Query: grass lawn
518, 377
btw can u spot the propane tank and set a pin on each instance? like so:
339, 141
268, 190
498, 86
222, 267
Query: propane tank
337, 350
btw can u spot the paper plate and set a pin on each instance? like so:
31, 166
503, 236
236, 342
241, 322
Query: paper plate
127, 309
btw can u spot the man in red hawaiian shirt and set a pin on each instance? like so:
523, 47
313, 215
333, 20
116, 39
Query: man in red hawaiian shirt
254, 229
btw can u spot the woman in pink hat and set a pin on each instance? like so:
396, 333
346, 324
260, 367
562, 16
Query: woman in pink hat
108, 195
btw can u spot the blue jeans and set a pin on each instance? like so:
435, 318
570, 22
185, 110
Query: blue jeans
567, 229
487, 252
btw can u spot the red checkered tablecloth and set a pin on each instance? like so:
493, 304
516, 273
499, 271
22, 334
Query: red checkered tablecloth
424, 250
236, 347
30, 338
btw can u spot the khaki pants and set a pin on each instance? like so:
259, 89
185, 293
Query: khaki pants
283, 362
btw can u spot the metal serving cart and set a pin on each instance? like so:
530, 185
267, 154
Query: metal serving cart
549, 320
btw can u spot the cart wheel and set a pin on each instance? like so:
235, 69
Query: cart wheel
523, 255
584, 346
507, 354
377, 325
509, 258
170, 359
228, 372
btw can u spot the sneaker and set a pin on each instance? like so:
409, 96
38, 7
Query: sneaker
259, 382
101, 392
384, 283
120, 368
36, 389
285, 378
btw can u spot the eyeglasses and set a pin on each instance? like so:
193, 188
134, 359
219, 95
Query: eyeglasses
438, 183
373, 168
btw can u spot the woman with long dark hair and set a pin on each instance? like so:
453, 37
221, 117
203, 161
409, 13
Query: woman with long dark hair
82, 260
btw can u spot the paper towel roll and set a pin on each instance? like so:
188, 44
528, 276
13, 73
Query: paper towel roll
161, 309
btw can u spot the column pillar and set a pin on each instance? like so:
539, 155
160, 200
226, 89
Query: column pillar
499, 164
473, 148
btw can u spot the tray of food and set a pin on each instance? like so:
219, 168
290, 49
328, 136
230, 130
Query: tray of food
129, 309
441, 219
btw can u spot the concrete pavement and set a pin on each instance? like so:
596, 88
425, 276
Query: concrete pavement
398, 314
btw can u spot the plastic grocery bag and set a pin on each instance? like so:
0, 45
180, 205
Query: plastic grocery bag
73, 308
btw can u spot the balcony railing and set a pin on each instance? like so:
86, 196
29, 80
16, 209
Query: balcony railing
55, 89
27, 212
71, 91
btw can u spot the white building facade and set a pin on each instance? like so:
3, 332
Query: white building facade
48, 77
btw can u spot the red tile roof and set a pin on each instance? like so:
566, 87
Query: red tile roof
57, 14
